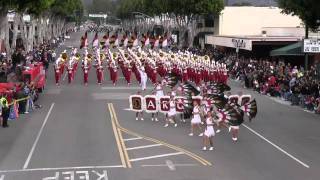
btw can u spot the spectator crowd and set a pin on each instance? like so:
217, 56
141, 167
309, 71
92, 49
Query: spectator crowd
18, 95
291, 83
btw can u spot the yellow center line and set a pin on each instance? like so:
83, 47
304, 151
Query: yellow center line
188, 153
126, 156
120, 128
116, 135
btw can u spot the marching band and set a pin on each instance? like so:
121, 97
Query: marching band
202, 81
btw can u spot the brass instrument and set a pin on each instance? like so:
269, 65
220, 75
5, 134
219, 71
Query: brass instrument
102, 56
64, 56
78, 56
114, 55
89, 57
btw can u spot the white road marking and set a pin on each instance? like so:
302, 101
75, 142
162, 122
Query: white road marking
132, 139
276, 146
143, 147
38, 136
127, 109
156, 156
124, 88
170, 165
165, 165
61, 168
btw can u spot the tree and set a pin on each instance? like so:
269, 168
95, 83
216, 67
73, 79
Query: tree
176, 7
307, 10
41, 12
34, 7
183, 12
104, 6
66, 7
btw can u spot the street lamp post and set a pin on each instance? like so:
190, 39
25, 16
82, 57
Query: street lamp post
238, 43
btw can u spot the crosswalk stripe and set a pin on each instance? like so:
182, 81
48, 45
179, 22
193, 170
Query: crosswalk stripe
132, 139
156, 156
143, 147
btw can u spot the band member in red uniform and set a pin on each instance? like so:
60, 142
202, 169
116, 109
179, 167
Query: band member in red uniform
136, 71
57, 73
99, 72
86, 68
127, 72
198, 77
114, 73
70, 69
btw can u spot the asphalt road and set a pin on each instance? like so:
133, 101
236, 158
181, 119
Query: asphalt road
87, 133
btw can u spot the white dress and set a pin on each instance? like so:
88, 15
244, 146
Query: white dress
172, 111
196, 115
209, 132
159, 92
144, 79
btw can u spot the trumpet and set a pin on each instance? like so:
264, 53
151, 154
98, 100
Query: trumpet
78, 56
102, 56
114, 55
64, 56
89, 57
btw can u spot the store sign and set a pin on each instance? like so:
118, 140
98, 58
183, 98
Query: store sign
311, 45
98, 15
236, 43
239, 43
11, 17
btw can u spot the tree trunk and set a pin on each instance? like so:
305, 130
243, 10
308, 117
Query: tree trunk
4, 31
15, 32
31, 35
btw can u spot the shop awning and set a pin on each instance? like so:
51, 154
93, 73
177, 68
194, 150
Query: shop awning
290, 50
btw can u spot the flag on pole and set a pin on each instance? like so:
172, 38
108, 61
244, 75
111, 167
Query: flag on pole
84, 41
95, 42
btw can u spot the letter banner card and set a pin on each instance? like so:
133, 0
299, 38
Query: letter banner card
151, 103
164, 104
135, 102
179, 104
234, 99
244, 99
